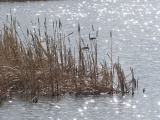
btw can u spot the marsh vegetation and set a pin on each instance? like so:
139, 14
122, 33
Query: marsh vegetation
46, 64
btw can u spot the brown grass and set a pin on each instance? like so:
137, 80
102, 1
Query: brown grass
48, 67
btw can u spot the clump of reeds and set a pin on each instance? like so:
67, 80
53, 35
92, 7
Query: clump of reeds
42, 64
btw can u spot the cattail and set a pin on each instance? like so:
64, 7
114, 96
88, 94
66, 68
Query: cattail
92, 28
52, 67
111, 34
79, 29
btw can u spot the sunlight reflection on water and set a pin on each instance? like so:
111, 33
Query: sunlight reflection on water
136, 32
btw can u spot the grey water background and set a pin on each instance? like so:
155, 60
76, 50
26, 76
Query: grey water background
136, 40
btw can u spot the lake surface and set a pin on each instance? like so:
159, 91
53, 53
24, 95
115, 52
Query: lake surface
136, 39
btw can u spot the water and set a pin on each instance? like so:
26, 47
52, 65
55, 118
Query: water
136, 39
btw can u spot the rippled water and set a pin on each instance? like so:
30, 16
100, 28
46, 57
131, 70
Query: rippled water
81, 108
136, 39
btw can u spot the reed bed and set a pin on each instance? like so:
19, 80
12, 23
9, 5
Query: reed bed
46, 65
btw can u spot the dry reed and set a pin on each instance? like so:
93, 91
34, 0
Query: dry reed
48, 67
